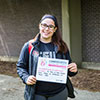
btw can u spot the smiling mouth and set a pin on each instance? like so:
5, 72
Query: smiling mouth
46, 33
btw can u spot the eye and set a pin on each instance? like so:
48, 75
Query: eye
51, 26
44, 25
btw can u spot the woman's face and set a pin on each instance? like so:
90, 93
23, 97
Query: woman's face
47, 29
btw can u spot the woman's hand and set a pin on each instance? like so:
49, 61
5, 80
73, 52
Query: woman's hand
31, 80
72, 67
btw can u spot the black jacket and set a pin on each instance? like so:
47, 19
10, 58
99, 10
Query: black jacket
27, 64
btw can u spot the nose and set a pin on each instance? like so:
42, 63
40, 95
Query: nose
47, 28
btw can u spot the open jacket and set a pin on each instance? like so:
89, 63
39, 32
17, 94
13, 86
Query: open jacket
27, 65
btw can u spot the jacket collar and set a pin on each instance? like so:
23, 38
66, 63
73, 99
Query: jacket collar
36, 41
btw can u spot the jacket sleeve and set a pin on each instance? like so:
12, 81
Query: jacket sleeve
23, 63
70, 61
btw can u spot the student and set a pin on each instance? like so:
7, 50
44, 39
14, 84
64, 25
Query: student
47, 43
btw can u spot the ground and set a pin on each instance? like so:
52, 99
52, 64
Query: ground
85, 79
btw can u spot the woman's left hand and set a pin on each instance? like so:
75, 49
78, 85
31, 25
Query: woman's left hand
72, 67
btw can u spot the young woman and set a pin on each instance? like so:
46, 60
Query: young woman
48, 43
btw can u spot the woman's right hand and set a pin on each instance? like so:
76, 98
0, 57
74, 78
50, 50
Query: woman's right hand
31, 80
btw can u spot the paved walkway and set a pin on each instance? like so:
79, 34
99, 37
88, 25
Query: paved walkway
12, 88
86, 95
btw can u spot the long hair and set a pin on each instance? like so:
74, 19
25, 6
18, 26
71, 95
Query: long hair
57, 37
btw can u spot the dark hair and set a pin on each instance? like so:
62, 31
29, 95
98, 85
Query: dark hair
57, 37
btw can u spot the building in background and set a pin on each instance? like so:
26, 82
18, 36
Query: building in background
79, 22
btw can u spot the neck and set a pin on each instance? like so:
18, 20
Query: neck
45, 40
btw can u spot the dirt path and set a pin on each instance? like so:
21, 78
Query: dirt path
12, 88
85, 79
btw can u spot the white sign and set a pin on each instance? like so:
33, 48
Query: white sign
52, 70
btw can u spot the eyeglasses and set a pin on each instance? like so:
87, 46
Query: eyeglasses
49, 26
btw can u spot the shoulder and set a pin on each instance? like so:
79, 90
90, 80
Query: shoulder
32, 41
26, 44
